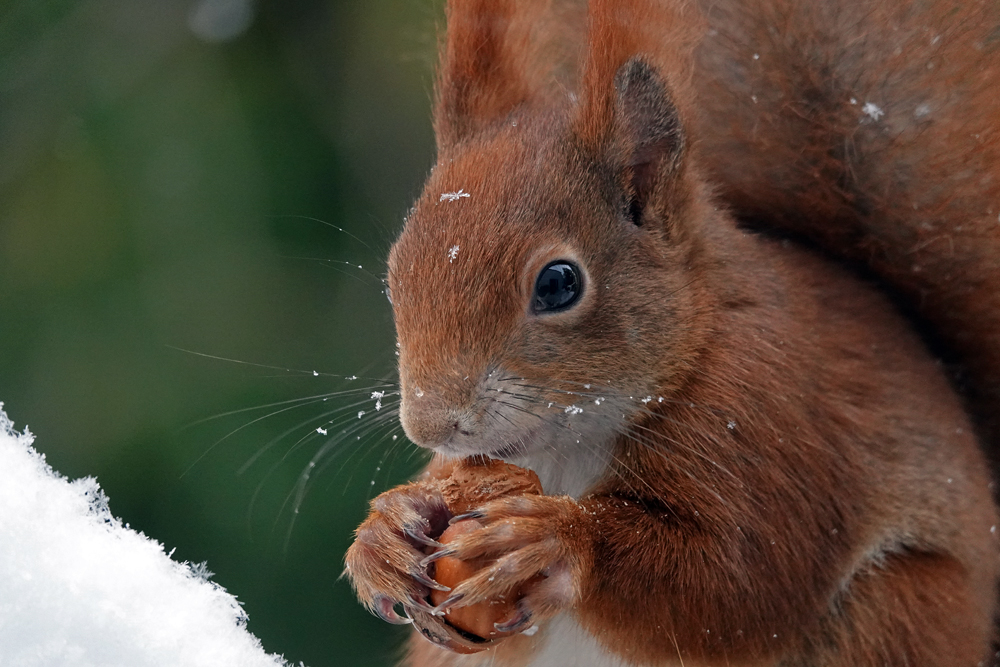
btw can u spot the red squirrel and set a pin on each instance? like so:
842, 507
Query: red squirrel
748, 455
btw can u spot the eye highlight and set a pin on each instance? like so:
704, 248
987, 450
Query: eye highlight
557, 288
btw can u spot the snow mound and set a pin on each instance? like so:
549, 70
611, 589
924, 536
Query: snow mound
79, 589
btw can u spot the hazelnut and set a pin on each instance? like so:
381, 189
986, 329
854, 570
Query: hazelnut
471, 484
476, 619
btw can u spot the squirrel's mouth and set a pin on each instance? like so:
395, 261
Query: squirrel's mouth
507, 444
508, 451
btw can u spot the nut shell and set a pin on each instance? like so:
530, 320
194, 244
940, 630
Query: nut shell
476, 619
474, 482
471, 484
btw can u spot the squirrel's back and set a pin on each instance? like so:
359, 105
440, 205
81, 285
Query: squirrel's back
870, 131
747, 456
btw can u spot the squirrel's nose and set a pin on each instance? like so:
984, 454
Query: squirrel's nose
428, 420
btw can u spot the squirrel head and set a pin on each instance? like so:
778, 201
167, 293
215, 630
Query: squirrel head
544, 282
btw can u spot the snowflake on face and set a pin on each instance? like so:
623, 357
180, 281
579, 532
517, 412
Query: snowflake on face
454, 196
872, 110
452, 253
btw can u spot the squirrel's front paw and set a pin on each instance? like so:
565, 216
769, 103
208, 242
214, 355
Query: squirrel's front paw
538, 545
383, 564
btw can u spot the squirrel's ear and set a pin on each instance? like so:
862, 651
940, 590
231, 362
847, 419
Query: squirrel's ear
481, 75
647, 137
628, 117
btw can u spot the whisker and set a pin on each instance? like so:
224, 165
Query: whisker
397, 446
297, 371
689, 448
308, 218
310, 435
327, 261
343, 408
392, 449
321, 397
598, 394
314, 469
648, 438
297, 494
383, 434
236, 430
350, 477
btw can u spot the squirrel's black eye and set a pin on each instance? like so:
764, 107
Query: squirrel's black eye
558, 287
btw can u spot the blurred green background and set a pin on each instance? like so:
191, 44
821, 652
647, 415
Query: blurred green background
166, 167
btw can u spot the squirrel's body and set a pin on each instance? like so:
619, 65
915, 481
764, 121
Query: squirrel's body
765, 465
870, 130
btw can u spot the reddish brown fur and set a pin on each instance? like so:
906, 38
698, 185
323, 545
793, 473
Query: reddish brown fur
497, 55
809, 490
618, 30
832, 497
914, 196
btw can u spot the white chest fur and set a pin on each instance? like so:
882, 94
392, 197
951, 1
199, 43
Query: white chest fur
571, 473
568, 645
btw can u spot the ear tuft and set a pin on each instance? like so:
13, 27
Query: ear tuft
628, 116
649, 132
490, 63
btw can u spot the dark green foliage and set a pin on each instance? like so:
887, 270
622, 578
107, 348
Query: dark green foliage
156, 192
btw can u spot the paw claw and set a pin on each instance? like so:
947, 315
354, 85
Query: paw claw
475, 514
418, 603
522, 620
428, 582
419, 537
443, 553
384, 609
450, 602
